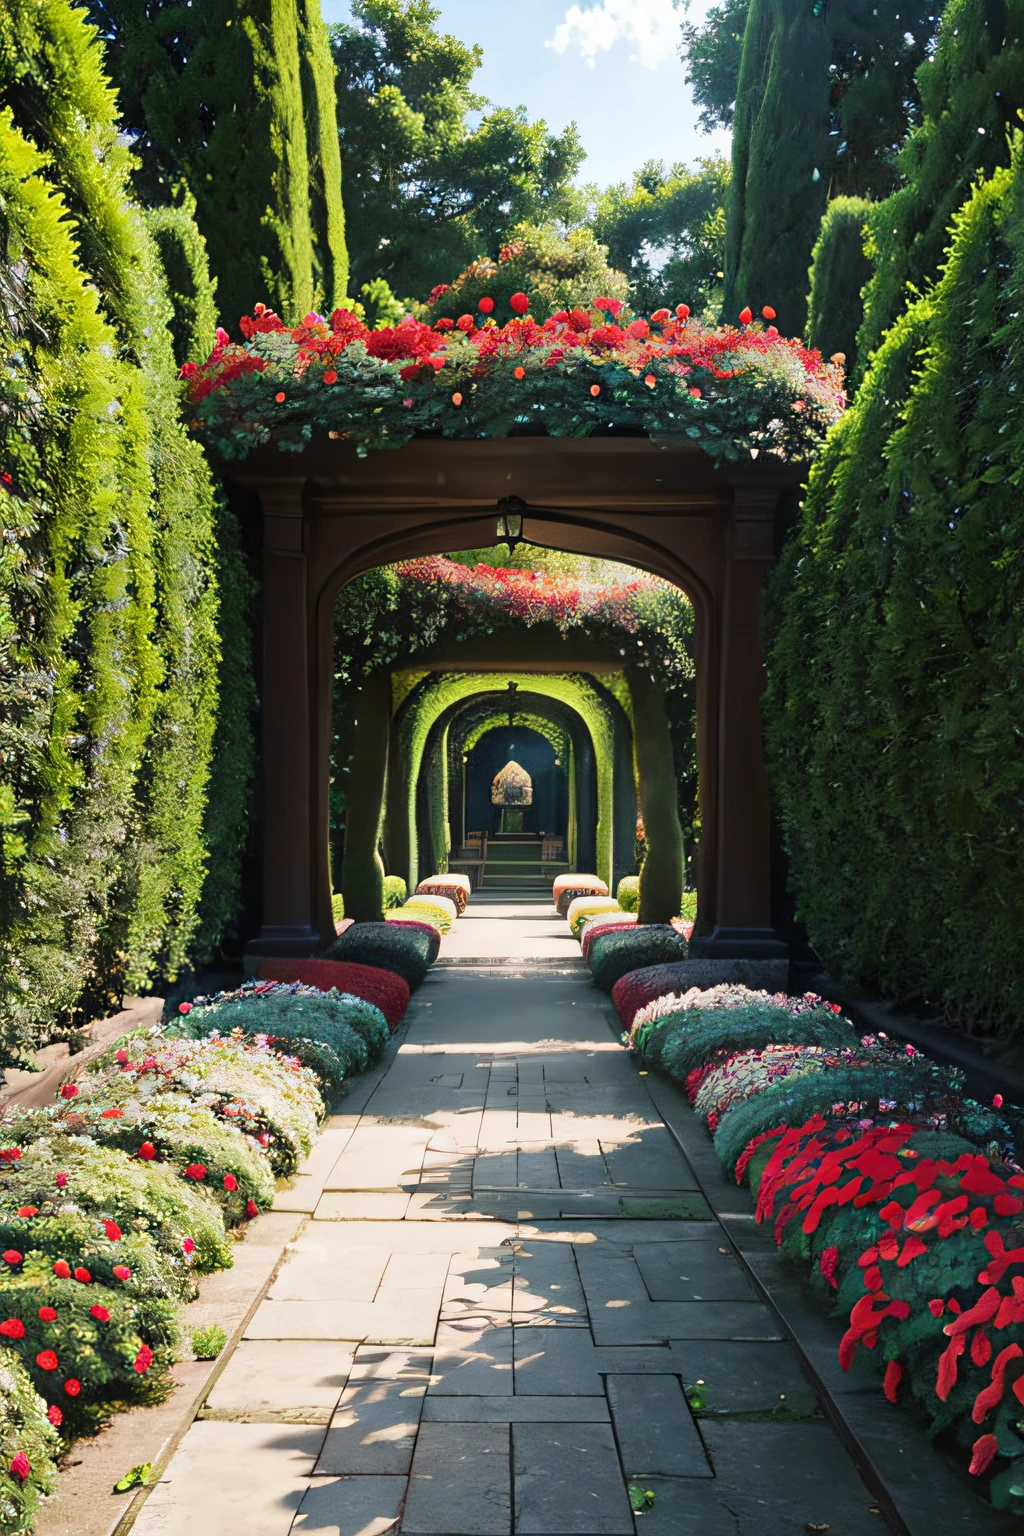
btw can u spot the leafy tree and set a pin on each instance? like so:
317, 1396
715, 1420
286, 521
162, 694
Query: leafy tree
711, 51
666, 231
839, 271
557, 272
235, 98
425, 192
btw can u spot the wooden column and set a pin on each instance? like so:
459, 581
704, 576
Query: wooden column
288, 729
742, 927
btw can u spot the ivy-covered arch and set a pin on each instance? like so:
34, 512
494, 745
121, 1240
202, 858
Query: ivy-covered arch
425, 705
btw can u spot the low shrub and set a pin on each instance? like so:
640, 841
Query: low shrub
645, 987
585, 907
28, 1445
456, 887
407, 949
207, 1343
355, 1030
698, 1036
59, 1174
395, 892
613, 955
440, 909
567, 888
266, 1095
605, 922
401, 916
386, 990
627, 893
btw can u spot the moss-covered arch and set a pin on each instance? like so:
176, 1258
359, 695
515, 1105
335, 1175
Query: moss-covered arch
425, 705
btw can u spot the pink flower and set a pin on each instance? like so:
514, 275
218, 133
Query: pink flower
143, 1360
69, 1091
61, 1181
55, 1416
188, 1247
184, 1007
997, 1101
121, 1057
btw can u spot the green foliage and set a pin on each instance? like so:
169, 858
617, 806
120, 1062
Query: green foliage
395, 892
354, 1029
627, 893
192, 290
558, 271
390, 946
661, 879
425, 192
666, 231
839, 272
614, 955
895, 628
712, 50
207, 1343
825, 96
108, 602
972, 93
236, 99
698, 1037
362, 870
23, 1429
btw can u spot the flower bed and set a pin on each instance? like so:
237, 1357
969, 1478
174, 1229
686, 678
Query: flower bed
441, 911
409, 948
385, 989
456, 887
899, 1193
735, 391
112, 1203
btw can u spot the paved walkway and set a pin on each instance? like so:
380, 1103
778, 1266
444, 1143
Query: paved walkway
508, 1302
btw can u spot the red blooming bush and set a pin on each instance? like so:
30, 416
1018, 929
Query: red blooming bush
734, 391
386, 990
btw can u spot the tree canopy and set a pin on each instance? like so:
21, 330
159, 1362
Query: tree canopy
426, 191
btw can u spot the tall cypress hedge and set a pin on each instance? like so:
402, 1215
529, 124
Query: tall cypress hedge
895, 703
235, 99
839, 271
972, 93
779, 182
108, 601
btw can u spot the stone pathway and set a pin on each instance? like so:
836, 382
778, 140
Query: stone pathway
507, 1303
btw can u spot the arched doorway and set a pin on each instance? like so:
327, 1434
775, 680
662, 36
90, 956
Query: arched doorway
665, 507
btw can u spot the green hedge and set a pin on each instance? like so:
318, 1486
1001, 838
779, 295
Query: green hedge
895, 703
839, 271
108, 595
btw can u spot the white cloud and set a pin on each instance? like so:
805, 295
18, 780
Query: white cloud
651, 26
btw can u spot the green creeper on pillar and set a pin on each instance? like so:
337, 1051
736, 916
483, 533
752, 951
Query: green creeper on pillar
661, 879
362, 871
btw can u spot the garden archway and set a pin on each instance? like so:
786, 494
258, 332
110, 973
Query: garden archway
663, 506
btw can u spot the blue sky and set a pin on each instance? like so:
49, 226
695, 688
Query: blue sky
612, 66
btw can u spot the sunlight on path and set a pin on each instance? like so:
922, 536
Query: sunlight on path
510, 1302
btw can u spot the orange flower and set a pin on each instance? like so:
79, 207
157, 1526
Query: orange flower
595, 390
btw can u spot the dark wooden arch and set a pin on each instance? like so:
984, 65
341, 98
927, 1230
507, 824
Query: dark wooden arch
664, 506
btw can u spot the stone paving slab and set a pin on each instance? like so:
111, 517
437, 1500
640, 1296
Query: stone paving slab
701, 1271
730, 1377
655, 1429
232, 1477
515, 1410
350, 1506
373, 1428
460, 1483
291, 1381
568, 1481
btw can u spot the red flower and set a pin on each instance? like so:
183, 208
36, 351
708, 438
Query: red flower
10, 1154
746, 315
444, 324
520, 373
122, 1271
827, 1264
893, 1377
113, 1231
13, 1328
48, 1314
768, 312
112, 1114
650, 380
465, 323
230, 1183
99, 1313
683, 311
486, 305
456, 398
47, 1360
188, 1246
62, 1269
985, 1451
280, 397
72, 1387
82, 1275
147, 1151
435, 293
661, 315
21, 1467
61, 1181
143, 1360
188, 371
121, 1057
595, 390
187, 1007
55, 1416
997, 1101
330, 377
12, 1256
251, 1208
520, 303
69, 1091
